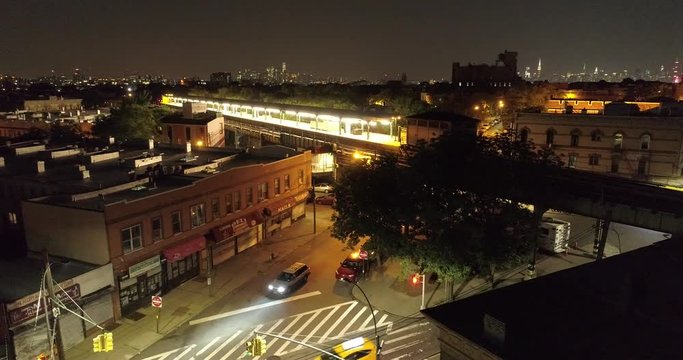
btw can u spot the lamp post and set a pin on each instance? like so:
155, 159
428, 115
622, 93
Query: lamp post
372, 311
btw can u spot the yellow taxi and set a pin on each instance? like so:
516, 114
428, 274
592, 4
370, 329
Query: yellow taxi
354, 349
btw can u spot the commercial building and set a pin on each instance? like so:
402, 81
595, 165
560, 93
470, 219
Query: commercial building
53, 104
195, 125
85, 289
503, 74
643, 146
432, 124
154, 212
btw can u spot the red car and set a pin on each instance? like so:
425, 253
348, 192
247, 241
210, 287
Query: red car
351, 269
325, 200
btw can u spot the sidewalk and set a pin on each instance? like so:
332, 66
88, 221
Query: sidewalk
182, 303
397, 296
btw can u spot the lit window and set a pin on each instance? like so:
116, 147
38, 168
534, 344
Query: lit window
237, 198
572, 161
618, 141
131, 238
645, 142
287, 184
262, 191
12, 218
301, 177
276, 186
197, 216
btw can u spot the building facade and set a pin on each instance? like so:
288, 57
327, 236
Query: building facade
159, 214
196, 126
53, 104
433, 124
503, 74
641, 147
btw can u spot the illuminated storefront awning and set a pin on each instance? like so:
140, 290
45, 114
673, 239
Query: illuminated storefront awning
285, 204
237, 226
179, 252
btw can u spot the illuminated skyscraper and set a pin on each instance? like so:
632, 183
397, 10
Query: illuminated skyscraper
676, 73
538, 70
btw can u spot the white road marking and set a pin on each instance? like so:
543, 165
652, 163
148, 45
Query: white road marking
362, 327
403, 337
252, 308
322, 338
224, 344
270, 331
293, 336
241, 344
189, 348
341, 333
404, 328
208, 346
161, 356
284, 331
315, 330
404, 346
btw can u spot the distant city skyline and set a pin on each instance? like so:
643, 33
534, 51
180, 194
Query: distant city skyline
352, 39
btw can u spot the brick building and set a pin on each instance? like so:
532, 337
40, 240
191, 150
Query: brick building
195, 125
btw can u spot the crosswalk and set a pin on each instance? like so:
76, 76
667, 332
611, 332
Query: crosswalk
403, 338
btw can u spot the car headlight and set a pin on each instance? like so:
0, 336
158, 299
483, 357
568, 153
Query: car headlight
270, 287
281, 289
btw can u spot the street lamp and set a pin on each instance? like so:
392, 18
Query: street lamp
416, 279
372, 311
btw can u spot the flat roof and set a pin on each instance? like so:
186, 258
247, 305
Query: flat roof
22, 277
624, 307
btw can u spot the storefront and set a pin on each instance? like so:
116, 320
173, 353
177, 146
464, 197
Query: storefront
142, 281
182, 262
236, 236
283, 213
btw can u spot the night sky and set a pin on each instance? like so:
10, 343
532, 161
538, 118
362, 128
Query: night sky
349, 38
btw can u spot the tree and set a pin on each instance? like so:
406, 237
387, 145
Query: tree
134, 119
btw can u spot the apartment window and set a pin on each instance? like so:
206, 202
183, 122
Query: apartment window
596, 135
176, 222
642, 166
215, 211
574, 138
157, 232
237, 198
572, 161
228, 203
618, 141
524, 135
301, 177
593, 159
645, 142
131, 238
197, 216
549, 137
287, 184
12, 218
262, 191
276, 186
250, 196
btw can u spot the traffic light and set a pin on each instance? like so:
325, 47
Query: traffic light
259, 346
250, 347
97, 344
108, 341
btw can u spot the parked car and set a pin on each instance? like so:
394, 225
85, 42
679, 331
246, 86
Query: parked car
289, 279
357, 349
323, 188
351, 269
325, 200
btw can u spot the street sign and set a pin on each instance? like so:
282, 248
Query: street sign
156, 301
363, 254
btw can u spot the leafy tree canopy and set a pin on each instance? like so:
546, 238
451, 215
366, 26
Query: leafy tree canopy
134, 119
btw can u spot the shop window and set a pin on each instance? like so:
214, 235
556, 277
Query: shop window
197, 216
262, 191
645, 142
237, 198
157, 232
276, 186
215, 211
131, 238
228, 203
593, 159
250, 196
572, 161
176, 222
301, 177
287, 184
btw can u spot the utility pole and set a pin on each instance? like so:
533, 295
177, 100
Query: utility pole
53, 308
209, 268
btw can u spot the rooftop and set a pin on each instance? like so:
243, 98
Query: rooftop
625, 307
22, 277
200, 118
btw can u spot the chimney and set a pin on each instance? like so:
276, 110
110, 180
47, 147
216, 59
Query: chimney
40, 166
188, 147
112, 140
150, 144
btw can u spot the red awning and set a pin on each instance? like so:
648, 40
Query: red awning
287, 203
237, 226
180, 251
